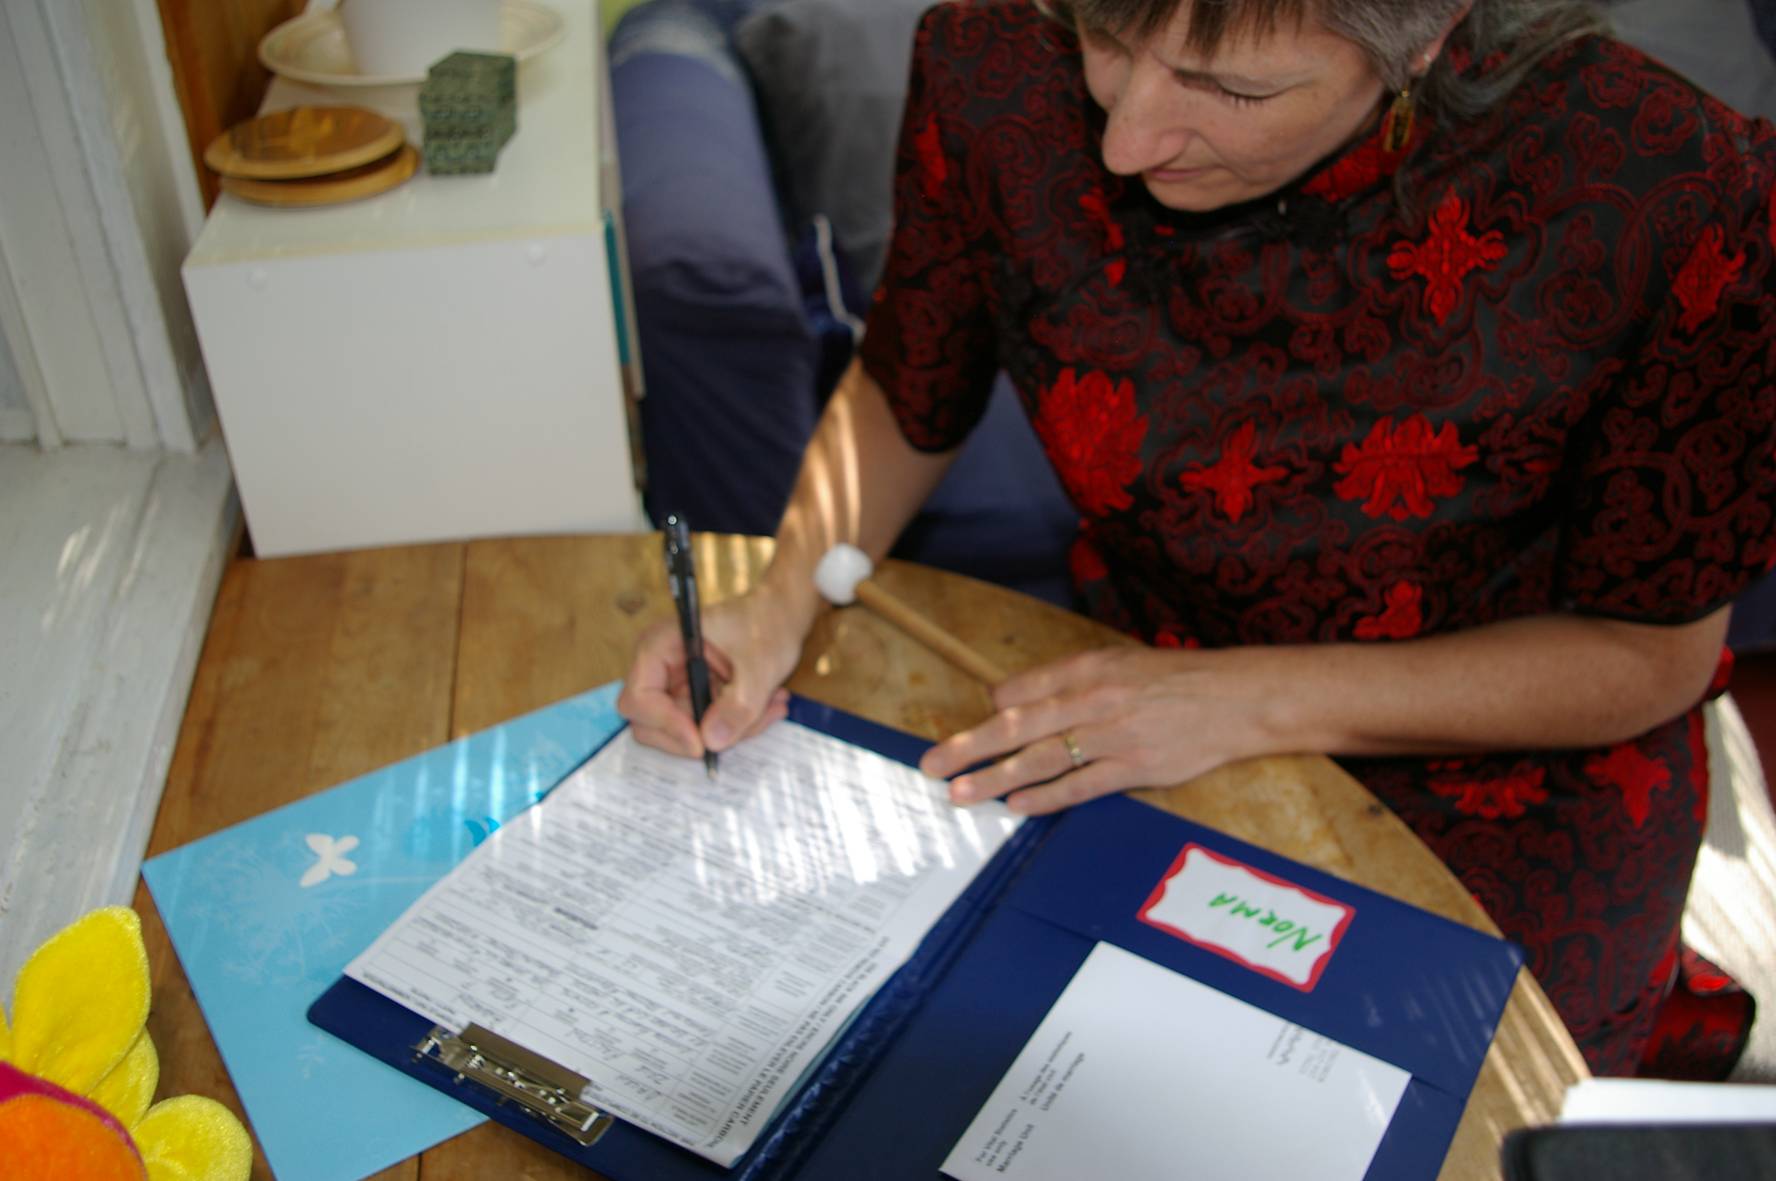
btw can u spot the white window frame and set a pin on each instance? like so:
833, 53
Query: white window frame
90, 306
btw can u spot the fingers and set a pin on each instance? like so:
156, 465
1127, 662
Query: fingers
775, 711
654, 697
721, 666
1050, 680
1037, 763
681, 736
671, 740
741, 709
1095, 779
1011, 729
751, 643
1045, 775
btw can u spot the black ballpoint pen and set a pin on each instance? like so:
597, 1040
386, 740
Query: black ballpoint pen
681, 575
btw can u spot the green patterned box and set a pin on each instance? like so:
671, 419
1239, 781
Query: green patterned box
472, 150
489, 78
469, 107
468, 119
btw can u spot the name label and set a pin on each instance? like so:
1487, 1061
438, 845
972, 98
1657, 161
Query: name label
1256, 919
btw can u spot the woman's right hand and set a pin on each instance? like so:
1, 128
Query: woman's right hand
752, 644
754, 641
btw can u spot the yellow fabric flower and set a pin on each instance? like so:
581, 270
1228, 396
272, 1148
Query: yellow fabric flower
78, 1070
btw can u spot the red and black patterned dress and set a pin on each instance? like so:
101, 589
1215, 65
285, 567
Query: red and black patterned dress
1323, 417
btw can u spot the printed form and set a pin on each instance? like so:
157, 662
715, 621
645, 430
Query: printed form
1143, 1074
690, 945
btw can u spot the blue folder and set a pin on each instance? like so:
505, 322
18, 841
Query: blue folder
902, 1083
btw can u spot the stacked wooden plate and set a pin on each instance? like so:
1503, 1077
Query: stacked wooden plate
312, 156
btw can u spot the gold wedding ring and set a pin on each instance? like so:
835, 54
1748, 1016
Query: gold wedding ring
1073, 751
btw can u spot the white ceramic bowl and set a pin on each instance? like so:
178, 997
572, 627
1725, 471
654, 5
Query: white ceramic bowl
313, 48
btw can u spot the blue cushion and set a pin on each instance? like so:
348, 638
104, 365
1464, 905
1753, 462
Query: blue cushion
1763, 13
734, 365
727, 356
1000, 514
1753, 626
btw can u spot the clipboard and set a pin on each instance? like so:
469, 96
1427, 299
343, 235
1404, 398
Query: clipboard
900, 1085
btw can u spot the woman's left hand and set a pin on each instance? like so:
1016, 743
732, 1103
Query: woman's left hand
1145, 717
1105, 721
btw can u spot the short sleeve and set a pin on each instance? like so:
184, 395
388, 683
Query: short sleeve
929, 340
1674, 464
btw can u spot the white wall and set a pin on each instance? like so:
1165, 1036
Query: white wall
54, 328
165, 209
15, 411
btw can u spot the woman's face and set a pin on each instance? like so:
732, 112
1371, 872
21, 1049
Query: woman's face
1204, 133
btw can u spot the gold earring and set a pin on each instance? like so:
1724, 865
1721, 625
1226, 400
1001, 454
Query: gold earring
1396, 131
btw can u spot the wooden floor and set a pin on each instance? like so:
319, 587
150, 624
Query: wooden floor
111, 562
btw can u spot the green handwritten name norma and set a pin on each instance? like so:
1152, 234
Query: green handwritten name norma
1286, 930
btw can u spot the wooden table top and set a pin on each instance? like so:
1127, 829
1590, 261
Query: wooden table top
319, 669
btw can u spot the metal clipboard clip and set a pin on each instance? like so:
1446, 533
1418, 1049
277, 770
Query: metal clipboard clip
549, 1091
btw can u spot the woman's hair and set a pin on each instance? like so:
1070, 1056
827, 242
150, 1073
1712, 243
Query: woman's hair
1517, 33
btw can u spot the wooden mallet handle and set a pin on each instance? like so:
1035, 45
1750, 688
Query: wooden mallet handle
897, 612
843, 576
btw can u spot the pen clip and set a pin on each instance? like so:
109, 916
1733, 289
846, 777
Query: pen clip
677, 538
681, 576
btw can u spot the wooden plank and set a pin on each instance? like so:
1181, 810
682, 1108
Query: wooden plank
546, 618
493, 1150
214, 50
539, 624
864, 664
314, 671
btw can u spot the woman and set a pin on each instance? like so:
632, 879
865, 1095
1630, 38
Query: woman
1410, 362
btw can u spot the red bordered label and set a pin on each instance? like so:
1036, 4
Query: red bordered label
1255, 919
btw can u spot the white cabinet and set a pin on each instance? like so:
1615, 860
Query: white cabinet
442, 361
